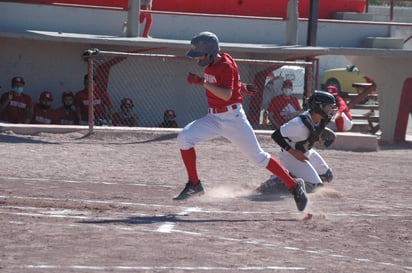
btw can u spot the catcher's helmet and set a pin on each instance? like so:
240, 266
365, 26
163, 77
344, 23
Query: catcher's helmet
319, 100
17, 80
46, 95
204, 44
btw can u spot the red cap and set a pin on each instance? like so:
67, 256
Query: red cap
46, 95
17, 80
332, 89
67, 94
170, 113
127, 102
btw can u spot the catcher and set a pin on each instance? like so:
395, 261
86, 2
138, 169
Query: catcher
296, 139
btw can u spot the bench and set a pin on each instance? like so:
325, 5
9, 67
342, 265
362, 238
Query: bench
370, 107
372, 121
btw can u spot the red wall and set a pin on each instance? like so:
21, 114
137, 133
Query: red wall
266, 8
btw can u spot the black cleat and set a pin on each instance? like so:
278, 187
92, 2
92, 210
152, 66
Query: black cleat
272, 186
299, 194
309, 187
190, 190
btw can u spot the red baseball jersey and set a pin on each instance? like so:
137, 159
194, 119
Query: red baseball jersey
41, 116
121, 119
66, 117
224, 73
169, 124
16, 110
282, 106
101, 99
342, 107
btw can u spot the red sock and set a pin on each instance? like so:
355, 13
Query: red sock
339, 124
189, 159
147, 25
277, 169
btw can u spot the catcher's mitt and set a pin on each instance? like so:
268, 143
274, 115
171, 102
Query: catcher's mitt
327, 137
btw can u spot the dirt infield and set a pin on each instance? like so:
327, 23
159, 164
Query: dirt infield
103, 203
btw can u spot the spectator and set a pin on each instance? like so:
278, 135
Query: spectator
16, 106
284, 107
272, 89
126, 116
342, 121
67, 114
297, 137
43, 113
169, 119
103, 109
146, 5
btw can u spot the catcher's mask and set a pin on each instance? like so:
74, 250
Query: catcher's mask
204, 44
322, 103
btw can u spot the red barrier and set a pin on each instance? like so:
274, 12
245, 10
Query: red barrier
405, 109
265, 8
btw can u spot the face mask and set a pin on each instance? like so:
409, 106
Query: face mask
287, 91
19, 90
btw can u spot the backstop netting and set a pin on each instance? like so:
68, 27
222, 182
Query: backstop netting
156, 83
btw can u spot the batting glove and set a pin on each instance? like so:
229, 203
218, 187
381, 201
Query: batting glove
248, 89
195, 79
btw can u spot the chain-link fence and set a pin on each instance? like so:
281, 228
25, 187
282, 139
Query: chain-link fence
153, 84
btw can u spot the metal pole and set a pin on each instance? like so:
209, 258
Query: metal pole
90, 88
292, 22
133, 15
313, 22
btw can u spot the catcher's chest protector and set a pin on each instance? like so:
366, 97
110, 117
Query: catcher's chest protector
314, 132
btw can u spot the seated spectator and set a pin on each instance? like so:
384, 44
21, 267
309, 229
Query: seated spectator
43, 113
284, 107
272, 89
103, 109
16, 106
342, 121
169, 119
67, 114
126, 116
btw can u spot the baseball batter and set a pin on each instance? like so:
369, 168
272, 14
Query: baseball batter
225, 117
297, 137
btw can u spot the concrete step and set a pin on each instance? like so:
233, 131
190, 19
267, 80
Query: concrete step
353, 141
384, 42
353, 16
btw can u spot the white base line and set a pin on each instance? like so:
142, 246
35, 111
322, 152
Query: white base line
186, 268
84, 182
108, 202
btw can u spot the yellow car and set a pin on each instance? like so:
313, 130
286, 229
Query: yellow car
343, 78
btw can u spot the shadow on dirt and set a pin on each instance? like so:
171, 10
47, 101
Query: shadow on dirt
166, 218
266, 197
22, 139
